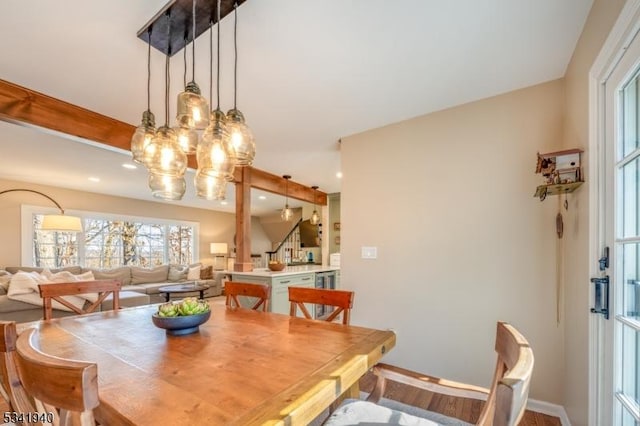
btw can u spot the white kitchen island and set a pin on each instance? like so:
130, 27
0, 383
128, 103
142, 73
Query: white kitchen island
280, 281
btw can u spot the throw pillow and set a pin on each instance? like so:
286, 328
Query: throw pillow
177, 273
206, 273
158, 274
5, 278
123, 274
194, 273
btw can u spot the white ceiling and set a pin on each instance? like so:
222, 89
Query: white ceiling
310, 72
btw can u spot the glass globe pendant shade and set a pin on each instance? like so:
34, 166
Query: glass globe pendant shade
167, 187
187, 139
315, 218
242, 139
286, 214
193, 108
214, 154
142, 136
163, 155
209, 187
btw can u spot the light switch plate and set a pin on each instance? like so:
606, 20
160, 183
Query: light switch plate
369, 252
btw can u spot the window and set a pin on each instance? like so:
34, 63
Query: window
109, 241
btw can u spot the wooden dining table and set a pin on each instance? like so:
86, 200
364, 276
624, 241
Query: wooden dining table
242, 367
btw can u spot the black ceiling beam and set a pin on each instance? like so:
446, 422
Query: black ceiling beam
179, 14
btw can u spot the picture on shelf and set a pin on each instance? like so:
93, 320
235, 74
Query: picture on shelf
336, 226
337, 240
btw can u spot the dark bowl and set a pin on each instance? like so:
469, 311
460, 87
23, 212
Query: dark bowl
179, 326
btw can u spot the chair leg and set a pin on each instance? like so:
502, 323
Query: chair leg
378, 390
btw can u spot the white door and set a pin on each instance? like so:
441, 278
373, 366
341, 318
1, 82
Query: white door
619, 345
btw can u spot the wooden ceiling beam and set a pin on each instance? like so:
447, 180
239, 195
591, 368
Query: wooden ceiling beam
29, 108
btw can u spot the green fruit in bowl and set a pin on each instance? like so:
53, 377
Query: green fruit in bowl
186, 307
167, 310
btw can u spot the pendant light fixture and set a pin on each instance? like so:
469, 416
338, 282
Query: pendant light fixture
287, 213
242, 139
167, 187
210, 188
164, 159
214, 154
147, 129
187, 136
193, 108
315, 217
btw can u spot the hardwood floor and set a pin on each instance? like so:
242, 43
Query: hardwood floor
464, 409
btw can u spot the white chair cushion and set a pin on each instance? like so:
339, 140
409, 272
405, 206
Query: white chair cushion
356, 412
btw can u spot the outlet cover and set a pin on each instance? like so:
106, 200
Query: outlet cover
369, 252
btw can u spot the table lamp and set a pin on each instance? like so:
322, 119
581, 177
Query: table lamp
219, 251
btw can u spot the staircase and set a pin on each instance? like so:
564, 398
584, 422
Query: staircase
289, 249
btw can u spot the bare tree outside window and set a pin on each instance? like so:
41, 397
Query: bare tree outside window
114, 243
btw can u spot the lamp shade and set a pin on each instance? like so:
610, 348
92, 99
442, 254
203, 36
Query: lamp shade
218, 248
62, 223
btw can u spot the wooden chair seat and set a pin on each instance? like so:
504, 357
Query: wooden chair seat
57, 291
505, 400
233, 289
66, 388
341, 300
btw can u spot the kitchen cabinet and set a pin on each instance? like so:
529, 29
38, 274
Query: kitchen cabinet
298, 276
280, 291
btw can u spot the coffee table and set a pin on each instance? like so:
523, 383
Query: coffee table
183, 288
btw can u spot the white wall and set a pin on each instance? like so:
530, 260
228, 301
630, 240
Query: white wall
462, 242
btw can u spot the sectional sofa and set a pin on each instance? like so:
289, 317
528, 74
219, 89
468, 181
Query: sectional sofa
139, 286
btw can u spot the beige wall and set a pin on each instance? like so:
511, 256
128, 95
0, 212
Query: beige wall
576, 256
461, 240
214, 226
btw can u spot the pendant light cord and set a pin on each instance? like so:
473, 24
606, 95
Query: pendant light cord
184, 77
235, 53
167, 81
149, 72
211, 61
218, 64
193, 43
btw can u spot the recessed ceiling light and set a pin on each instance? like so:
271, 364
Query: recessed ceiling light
94, 179
129, 166
339, 175
262, 197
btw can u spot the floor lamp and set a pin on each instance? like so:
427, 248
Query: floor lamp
53, 222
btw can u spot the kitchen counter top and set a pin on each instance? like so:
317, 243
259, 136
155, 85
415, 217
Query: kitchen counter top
289, 270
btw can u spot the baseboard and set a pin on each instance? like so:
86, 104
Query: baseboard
549, 409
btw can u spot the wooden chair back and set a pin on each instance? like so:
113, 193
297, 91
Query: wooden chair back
510, 386
233, 289
10, 385
506, 399
66, 388
57, 291
341, 300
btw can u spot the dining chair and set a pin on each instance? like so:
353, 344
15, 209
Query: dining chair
10, 385
233, 289
57, 291
505, 399
341, 300
61, 388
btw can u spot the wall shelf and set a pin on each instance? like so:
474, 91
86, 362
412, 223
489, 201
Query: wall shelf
562, 172
556, 189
